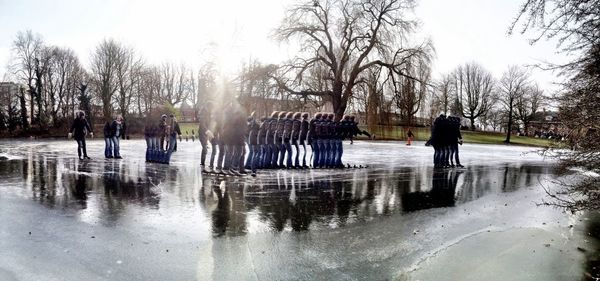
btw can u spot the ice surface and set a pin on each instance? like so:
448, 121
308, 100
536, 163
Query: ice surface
398, 219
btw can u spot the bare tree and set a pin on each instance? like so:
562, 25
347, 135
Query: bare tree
62, 72
174, 83
474, 87
512, 85
128, 66
527, 105
409, 93
443, 93
576, 26
573, 22
104, 68
347, 38
26, 49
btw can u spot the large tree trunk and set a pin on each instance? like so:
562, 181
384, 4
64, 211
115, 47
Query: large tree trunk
339, 106
31, 102
24, 123
472, 119
510, 117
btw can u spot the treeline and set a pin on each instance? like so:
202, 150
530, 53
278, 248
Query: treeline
359, 56
53, 84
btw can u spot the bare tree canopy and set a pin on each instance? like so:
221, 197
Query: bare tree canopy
576, 24
104, 66
346, 38
409, 91
27, 48
474, 88
513, 83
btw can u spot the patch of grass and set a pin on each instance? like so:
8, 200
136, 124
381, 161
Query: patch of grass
188, 127
423, 133
498, 138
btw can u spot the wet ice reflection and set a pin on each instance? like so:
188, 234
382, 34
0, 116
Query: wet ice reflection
134, 193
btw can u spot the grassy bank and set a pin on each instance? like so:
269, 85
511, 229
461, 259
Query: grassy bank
423, 134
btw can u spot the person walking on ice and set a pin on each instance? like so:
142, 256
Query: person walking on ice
79, 130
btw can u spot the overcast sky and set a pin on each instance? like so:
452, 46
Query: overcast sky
233, 31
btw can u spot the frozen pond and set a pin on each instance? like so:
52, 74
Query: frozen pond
67, 219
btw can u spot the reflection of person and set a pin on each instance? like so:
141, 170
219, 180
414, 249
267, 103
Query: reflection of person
221, 214
442, 193
79, 129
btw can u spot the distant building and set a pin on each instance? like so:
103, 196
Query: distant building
188, 113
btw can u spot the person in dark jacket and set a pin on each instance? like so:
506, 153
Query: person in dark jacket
117, 131
304, 128
272, 138
436, 140
215, 142
202, 137
455, 139
253, 146
265, 151
79, 130
314, 131
108, 149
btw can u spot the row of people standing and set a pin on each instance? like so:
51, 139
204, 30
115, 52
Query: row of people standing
445, 138
113, 131
161, 139
277, 141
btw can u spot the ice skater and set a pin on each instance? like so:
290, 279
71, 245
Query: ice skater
79, 129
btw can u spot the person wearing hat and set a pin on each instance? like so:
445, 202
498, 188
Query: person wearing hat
79, 129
